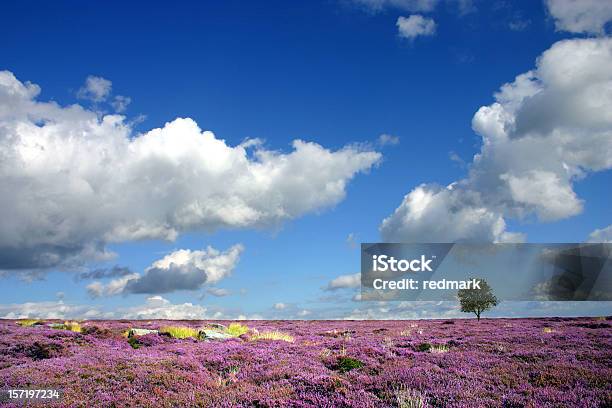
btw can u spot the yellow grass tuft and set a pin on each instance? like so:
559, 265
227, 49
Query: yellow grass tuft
180, 332
27, 322
236, 329
547, 330
273, 335
73, 326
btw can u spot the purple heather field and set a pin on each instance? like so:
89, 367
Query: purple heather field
545, 362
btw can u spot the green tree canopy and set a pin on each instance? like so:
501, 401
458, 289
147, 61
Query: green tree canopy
477, 300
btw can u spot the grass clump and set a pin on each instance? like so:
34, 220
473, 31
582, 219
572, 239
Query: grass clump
273, 335
408, 398
73, 327
236, 329
439, 348
27, 322
180, 332
346, 364
547, 330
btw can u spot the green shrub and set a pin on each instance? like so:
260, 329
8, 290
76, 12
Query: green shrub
133, 341
346, 364
424, 347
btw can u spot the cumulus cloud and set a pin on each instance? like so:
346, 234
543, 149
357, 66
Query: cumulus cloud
547, 129
115, 287
157, 307
183, 269
580, 16
72, 181
50, 310
415, 25
345, 281
603, 235
405, 5
279, 306
431, 213
95, 89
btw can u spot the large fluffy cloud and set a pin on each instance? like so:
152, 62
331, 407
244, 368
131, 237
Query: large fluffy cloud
581, 16
547, 129
72, 180
183, 269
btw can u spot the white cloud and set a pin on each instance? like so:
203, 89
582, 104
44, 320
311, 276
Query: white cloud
72, 181
279, 306
386, 139
551, 197
218, 292
581, 16
546, 130
115, 287
414, 26
345, 281
157, 307
49, 310
431, 213
95, 89
304, 313
603, 235
183, 269
405, 5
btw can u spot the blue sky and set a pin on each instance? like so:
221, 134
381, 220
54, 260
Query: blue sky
336, 73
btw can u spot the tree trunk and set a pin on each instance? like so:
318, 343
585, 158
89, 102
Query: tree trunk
478, 315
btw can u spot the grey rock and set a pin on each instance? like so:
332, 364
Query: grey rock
217, 326
141, 332
213, 335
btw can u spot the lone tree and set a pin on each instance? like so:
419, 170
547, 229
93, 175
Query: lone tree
477, 300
